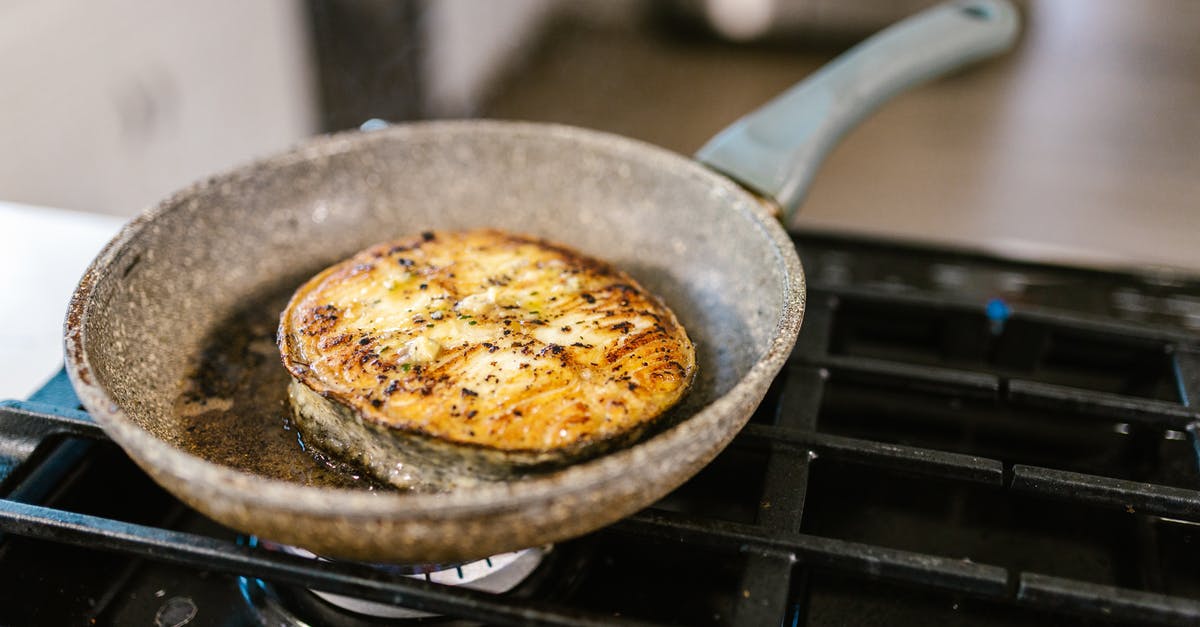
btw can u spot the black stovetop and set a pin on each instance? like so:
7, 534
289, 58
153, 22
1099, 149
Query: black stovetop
956, 438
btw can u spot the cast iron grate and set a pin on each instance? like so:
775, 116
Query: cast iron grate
955, 438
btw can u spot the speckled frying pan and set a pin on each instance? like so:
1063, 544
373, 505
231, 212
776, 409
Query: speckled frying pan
708, 242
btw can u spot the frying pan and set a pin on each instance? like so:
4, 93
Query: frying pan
708, 242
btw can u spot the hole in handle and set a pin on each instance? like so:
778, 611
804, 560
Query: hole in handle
977, 12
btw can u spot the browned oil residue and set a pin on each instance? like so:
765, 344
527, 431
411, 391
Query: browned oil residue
233, 407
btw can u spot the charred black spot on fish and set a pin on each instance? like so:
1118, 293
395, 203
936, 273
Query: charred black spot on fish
552, 349
331, 341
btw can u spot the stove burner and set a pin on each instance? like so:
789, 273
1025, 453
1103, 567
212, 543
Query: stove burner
496, 574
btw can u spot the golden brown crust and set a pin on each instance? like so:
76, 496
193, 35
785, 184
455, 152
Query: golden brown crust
487, 339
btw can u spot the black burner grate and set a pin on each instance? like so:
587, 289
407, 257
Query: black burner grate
955, 438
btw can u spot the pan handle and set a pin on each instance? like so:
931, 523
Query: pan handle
776, 149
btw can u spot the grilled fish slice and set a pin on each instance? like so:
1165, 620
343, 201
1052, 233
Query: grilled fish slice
456, 357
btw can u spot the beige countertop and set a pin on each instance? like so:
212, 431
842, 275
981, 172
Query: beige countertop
1083, 145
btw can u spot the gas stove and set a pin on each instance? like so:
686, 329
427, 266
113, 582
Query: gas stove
956, 438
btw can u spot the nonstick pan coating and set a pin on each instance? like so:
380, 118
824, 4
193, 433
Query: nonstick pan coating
703, 244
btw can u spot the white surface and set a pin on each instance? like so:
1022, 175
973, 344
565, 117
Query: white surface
109, 105
43, 253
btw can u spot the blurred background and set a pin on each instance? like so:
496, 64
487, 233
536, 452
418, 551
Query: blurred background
1082, 146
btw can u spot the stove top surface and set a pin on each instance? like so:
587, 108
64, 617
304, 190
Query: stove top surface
956, 438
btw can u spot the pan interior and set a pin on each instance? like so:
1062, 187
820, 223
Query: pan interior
207, 270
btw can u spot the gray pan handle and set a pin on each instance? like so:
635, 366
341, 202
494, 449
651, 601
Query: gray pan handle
776, 149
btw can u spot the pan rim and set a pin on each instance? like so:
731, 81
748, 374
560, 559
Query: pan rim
157, 456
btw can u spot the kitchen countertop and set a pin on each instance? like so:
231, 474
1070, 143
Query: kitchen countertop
1082, 146
43, 253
